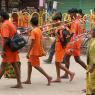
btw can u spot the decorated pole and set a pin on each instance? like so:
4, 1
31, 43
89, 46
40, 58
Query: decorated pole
41, 6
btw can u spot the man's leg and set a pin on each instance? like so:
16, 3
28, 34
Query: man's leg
17, 71
28, 81
67, 65
60, 66
67, 71
51, 53
78, 60
57, 72
2, 69
50, 57
64, 59
45, 74
19, 66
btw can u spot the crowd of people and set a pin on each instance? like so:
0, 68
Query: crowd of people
68, 36
21, 18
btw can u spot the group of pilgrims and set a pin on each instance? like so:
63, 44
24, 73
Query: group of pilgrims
68, 33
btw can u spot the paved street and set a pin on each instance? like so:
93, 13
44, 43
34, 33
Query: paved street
38, 86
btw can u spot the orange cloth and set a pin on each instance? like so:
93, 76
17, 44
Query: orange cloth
34, 60
35, 52
20, 20
36, 34
72, 29
59, 51
25, 20
76, 29
8, 30
76, 48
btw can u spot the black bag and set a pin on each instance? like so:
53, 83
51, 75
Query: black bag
66, 37
16, 42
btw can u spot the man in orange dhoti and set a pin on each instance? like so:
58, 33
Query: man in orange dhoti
8, 30
74, 48
60, 51
35, 51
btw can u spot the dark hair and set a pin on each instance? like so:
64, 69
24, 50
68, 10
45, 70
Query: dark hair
34, 20
80, 11
73, 10
5, 15
58, 16
69, 11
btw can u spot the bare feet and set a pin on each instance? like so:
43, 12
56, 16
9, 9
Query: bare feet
49, 81
72, 76
64, 76
56, 81
17, 86
27, 82
84, 90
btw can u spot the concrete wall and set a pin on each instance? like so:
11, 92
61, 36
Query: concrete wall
86, 5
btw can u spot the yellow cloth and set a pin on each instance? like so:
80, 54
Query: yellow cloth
92, 77
88, 84
90, 88
91, 52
